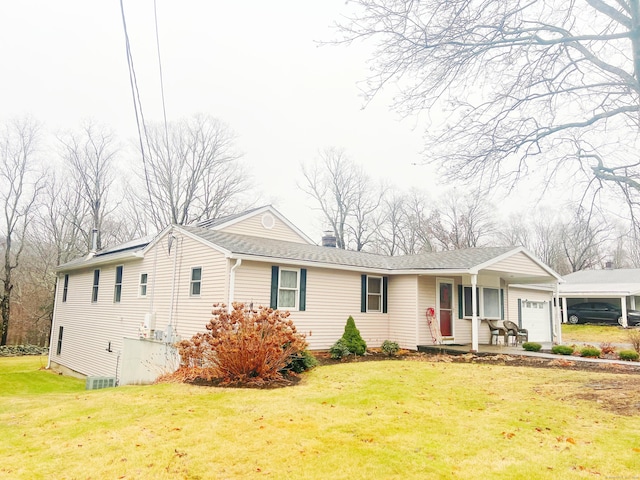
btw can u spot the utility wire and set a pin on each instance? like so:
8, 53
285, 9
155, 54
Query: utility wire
143, 136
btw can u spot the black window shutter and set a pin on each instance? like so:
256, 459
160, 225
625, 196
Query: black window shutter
501, 304
274, 287
385, 284
303, 290
460, 300
363, 294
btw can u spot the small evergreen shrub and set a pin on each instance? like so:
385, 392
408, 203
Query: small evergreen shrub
629, 355
352, 339
301, 362
562, 349
339, 350
390, 348
531, 346
591, 352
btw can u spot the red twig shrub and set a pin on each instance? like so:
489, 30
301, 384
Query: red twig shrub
241, 347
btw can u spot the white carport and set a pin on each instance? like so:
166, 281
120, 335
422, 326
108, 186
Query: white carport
622, 284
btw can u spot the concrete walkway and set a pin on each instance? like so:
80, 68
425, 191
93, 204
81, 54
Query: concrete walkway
519, 351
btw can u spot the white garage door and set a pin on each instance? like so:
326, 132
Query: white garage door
535, 318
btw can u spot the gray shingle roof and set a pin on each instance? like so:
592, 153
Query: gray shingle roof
619, 275
277, 249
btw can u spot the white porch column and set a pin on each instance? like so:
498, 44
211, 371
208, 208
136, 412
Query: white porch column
623, 304
564, 310
557, 320
474, 315
632, 302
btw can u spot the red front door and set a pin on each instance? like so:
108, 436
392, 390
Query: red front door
445, 309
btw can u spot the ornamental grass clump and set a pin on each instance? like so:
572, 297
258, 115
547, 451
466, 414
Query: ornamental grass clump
629, 355
532, 346
562, 350
590, 352
634, 338
242, 347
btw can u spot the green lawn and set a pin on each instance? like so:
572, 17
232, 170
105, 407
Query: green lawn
382, 420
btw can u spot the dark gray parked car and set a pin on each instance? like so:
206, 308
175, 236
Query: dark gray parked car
600, 312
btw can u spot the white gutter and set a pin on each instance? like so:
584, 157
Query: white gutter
232, 283
100, 260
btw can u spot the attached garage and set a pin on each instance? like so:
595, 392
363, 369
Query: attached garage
535, 316
532, 307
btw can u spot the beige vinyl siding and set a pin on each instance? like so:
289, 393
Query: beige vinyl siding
403, 310
332, 295
253, 226
519, 264
89, 327
426, 299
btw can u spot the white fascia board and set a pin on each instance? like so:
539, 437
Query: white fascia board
510, 253
550, 287
161, 234
101, 260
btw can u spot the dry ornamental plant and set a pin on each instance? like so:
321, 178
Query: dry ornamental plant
241, 347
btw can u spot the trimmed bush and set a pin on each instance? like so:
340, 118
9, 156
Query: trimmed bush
562, 350
241, 347
339, 349
629, 355
301, 362
531, 346
352, 339
390, 348
591, 352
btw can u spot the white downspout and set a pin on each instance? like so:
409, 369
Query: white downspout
232, 283
474, 315
170, 327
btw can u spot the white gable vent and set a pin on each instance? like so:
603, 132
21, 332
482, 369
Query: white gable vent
94, 383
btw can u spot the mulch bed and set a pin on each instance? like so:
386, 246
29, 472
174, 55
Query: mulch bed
565, 362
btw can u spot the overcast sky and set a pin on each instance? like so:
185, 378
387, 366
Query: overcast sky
255, 65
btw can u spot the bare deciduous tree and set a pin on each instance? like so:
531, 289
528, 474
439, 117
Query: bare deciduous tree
462, 221
551, 85
19, 188
346, 197
191, 171
583, 236
90, 156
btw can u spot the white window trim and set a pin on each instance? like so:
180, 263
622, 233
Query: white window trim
65, 288
297, 289
480, 301
379, 310
192, 281
116, 284
95, 287
146, 285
